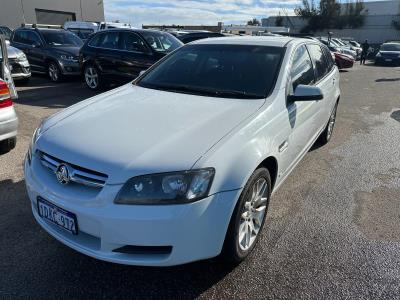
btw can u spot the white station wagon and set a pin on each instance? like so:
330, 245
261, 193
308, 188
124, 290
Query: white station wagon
180, 165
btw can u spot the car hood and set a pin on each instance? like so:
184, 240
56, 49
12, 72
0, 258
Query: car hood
132, 130
13, 52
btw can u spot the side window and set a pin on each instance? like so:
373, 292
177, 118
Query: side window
110, 40
302, 69
21, 37
320, 63
132, 42
94, 41
329, 58
33, 38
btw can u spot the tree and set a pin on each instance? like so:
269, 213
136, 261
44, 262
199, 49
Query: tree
279, 20
329, 15
254, 22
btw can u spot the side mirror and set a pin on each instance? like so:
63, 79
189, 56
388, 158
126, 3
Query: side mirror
306, 93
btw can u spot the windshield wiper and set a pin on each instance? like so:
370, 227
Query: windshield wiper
205, 91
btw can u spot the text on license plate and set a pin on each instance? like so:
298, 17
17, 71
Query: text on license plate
57, 215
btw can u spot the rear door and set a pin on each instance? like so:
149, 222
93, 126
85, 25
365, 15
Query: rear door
5, 72
108, 55
136, 55
325, 80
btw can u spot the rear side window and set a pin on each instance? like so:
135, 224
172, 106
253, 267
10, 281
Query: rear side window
320, 63
302, 68
21, 37
329, 58
110, 40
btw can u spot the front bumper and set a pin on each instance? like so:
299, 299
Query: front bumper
20, 69
69, 68
8, 123
195, 231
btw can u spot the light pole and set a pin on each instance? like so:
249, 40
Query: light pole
23, 12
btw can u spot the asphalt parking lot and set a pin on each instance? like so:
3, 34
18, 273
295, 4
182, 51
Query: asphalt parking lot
332, 230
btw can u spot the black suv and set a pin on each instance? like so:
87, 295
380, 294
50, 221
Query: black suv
194, 36
119, 55
51, 51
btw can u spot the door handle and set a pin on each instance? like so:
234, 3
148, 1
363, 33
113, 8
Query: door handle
283, 146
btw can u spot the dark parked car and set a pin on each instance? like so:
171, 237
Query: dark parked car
119, 55
389, 54
51, 51
6, 31
194, 36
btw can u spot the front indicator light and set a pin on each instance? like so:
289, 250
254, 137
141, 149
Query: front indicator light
167, 188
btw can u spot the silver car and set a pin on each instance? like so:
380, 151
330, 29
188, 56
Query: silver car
8, 116
19, 65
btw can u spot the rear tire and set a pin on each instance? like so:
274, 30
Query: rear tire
92, 77
8, 145
326, 135
248, 218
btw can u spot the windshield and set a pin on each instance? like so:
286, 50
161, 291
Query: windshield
82, 33
161, 41
61, 38
227, 71
390, 47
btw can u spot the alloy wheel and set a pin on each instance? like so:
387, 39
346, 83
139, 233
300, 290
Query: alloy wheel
53, 72
253, 214
91, 77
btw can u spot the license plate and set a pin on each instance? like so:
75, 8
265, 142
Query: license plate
57, 215
388, 59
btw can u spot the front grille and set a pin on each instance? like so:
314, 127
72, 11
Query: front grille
77, 174
390, 55
17, 68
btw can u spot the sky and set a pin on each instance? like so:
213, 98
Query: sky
194, 12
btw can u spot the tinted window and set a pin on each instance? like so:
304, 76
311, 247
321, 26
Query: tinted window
109, 40
132, 42
94, 42
302, 69
228, 71
21, 37
329, 60
33, 38
321, 67
161, 41
390, 47
61, 38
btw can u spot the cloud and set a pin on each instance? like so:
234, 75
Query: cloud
188, 12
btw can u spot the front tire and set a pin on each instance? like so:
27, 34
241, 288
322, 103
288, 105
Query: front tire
8, 145
92, 77
248, 217
54, 72
326, 135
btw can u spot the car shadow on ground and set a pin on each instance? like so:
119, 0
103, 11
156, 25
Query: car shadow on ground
387, 79
39, 266
395, 115
40, 91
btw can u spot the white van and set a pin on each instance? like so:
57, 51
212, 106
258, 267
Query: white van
109, 25
81, 29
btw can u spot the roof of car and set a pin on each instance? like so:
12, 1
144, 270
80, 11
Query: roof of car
276, 41
132, 29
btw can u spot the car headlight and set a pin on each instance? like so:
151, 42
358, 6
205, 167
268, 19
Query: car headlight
167, 188
21, 57
34, 139
378, 54
68, 57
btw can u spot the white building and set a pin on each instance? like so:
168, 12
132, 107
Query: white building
55, 12
378, 23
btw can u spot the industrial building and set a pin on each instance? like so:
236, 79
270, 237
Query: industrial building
379, 23
55, 12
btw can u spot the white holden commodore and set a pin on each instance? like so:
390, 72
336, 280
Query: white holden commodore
180, 165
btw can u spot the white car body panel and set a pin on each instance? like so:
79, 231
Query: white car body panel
133, 131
